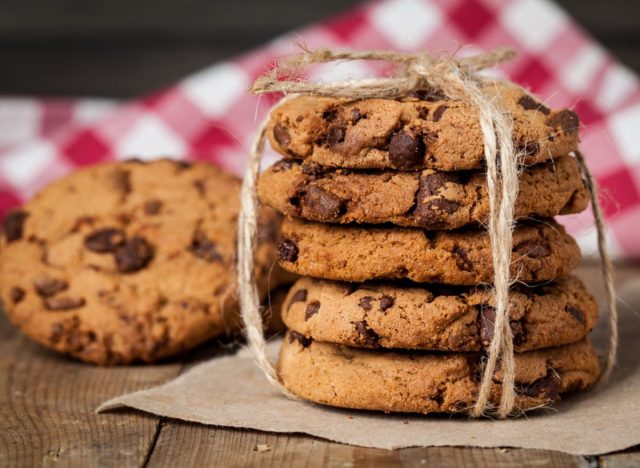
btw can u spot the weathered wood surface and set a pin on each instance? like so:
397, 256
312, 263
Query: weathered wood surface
47, 419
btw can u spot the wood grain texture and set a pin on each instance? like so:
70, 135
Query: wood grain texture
47, 405
627, 459
195, 445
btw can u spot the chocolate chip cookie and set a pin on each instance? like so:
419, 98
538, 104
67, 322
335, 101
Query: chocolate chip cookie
129, 261
421, 382
422, 130
395, 315
428, 199
541, 252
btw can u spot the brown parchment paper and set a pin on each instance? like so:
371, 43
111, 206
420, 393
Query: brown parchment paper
230, 391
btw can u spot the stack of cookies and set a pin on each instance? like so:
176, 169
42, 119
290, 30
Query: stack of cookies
386, 201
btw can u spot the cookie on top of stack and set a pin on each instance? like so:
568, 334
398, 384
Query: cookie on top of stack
386, 201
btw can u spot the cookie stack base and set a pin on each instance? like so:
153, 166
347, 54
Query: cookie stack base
414, 382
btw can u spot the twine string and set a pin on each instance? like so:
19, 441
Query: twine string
456, 78
606, 267
247, 289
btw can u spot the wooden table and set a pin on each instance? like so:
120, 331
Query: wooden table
47, 418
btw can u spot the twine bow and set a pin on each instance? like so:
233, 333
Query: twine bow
457, 79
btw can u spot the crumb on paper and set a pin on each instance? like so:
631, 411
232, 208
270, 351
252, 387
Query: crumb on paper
406, 421
261, 448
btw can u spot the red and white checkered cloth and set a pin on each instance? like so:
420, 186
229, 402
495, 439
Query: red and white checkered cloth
210, 116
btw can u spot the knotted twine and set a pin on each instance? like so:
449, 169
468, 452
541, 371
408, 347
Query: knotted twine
457, 79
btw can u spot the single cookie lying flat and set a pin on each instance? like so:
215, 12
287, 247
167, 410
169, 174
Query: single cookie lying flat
128, 262
417, 382
389, 315
541, 252
427, 199
423, 130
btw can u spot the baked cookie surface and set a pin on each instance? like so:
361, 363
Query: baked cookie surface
428, 199
129, 261
408, 316
415, 382
541, 252
423, 130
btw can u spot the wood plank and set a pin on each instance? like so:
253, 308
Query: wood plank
47, 408
628, 459
195, 445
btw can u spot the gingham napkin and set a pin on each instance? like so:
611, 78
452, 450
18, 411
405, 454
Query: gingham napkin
210, 116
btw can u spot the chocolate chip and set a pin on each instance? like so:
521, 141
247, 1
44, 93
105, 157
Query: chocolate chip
313, 170
282, 165
437, 114
200, 186
365, 303
303, 340
545, 387
369, 336
355, 116
462, 259
281, 135
17, 294
566, 119
152, 207
528, 103
288, 251
104, 240
430, 214
405, 150
438, 397
487, 324
204, 248
63, 303
330, 115
312, 309
518, 332
532, 249
133, 255
47, 286
13, 224
336, 134
576, 313
56, 333
122, 181
487, 327
530, 148
182, 165
430, 184
325, 205
299, 296
386, 302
